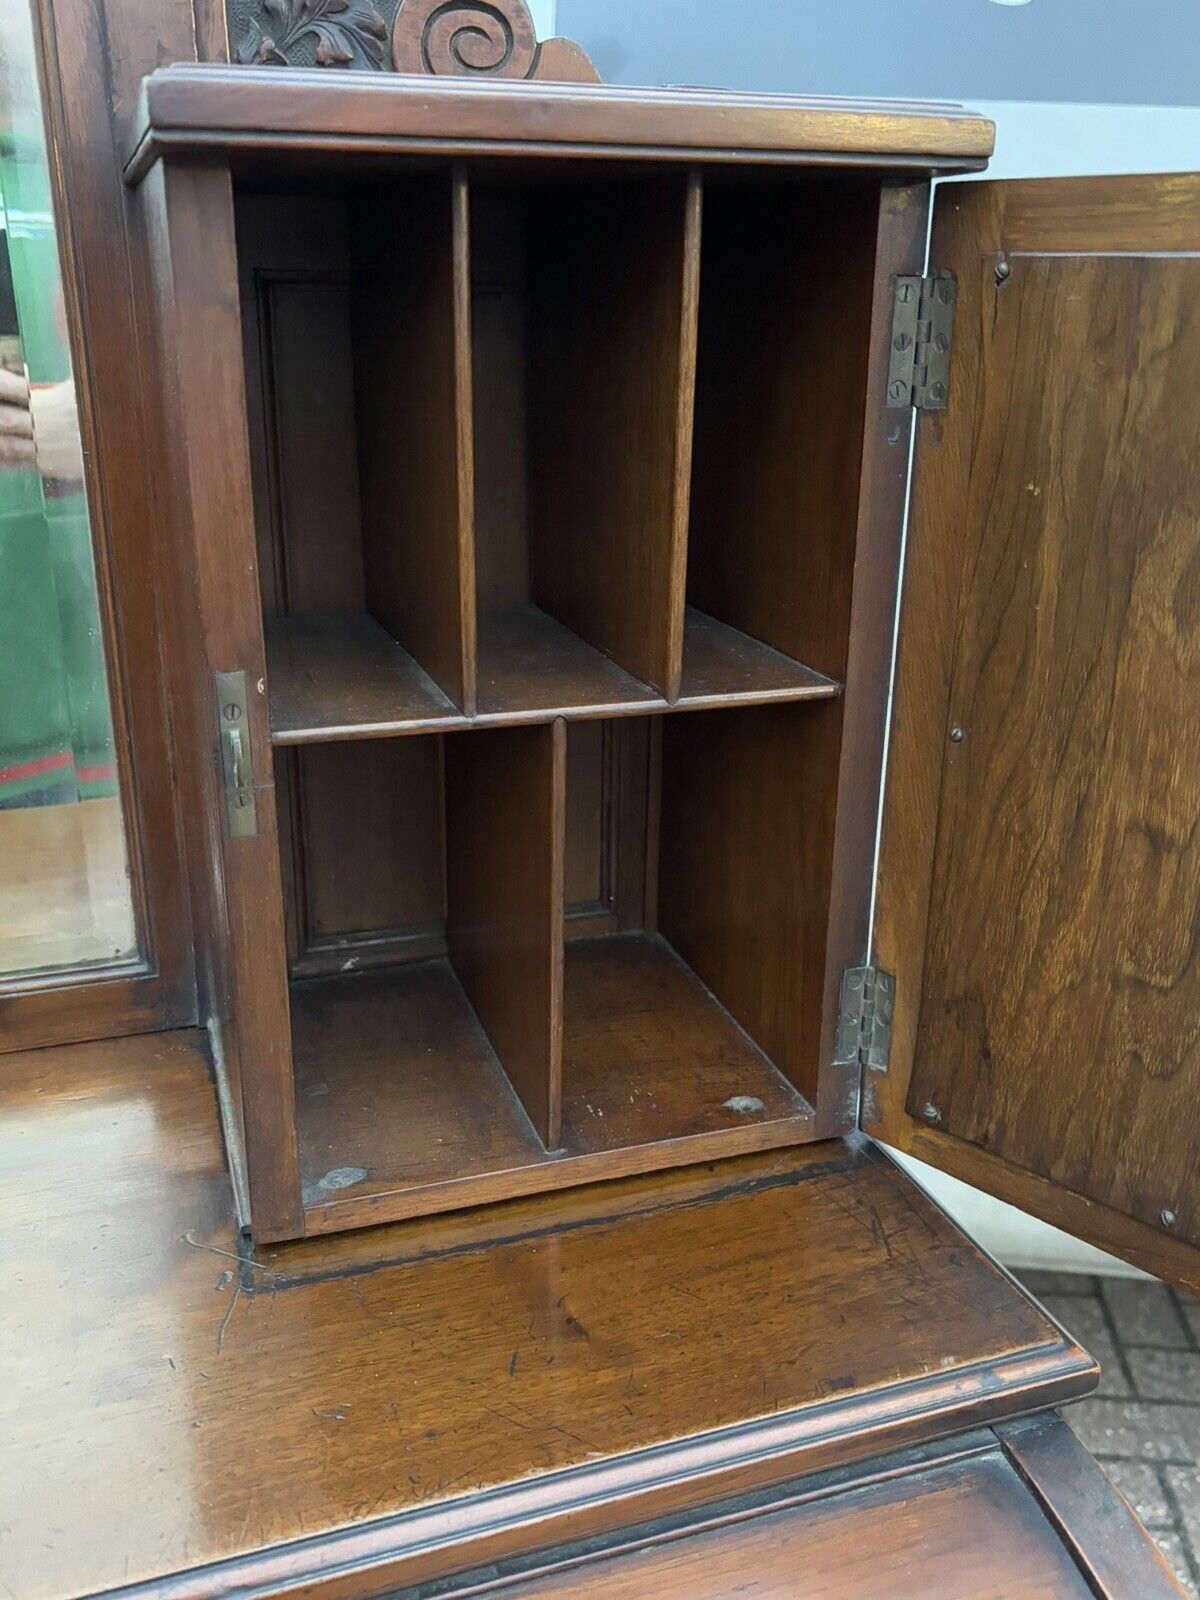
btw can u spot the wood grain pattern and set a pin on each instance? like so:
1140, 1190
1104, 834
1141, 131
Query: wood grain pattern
345, 677
222, 108
722, 665
614, 274
1050, 1026
543, 1349
190, 217
966, 1530
412, 376
505, 844
398, 1086
780, 410
649, 1056
373, 853
747, 818
1108, 1543
532, 667
405, 1108
294, 268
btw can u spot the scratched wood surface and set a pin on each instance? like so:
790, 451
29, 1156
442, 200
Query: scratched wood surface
167, 1405
1046, 781
966, 1530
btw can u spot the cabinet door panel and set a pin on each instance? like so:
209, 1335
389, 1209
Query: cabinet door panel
1042, 825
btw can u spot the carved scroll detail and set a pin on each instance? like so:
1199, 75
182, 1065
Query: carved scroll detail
440, 38
464, 38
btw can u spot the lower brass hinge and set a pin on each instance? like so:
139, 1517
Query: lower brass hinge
864, 1034
922, 333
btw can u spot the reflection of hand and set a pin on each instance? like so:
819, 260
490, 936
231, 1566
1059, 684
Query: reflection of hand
16, 423
56, 432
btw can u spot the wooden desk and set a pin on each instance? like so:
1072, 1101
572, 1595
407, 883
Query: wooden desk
188, 1416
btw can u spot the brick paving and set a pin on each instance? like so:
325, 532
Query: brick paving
1143, 1423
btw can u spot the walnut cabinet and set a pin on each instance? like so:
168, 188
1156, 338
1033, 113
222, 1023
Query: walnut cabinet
539, 455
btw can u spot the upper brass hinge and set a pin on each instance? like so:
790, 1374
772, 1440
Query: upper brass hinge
922, 334
864, 1034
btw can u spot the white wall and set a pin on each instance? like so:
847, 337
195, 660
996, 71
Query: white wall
1038, 140
543, 17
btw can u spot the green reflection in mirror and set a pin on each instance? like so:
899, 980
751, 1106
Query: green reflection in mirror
63, 877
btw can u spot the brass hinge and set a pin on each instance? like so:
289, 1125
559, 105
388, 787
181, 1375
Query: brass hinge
922, 333
864, 1034
237, 769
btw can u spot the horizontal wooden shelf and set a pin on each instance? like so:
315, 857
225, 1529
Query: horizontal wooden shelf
345, 677
722, 666
403, 1108
531, 667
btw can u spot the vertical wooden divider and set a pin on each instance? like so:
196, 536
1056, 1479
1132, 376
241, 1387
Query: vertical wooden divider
505, 849
615, 285
412, 364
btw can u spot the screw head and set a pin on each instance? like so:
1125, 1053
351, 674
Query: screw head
905, 293
1168, 1217
902, 341
931, 1113
1003, 270
937, 391
944, 290
898, 390
232, 711
957, 735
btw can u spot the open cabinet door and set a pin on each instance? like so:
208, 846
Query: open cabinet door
1039, 892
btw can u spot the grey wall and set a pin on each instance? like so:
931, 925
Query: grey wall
1111, 51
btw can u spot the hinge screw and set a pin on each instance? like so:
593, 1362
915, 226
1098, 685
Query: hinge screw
1003, 270
1168, 1217
898, 390
957, 735
233, 711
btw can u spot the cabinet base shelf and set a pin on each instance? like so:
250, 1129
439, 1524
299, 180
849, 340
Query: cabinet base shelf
404, 1110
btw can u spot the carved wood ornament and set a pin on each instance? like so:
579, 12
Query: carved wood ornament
440, 38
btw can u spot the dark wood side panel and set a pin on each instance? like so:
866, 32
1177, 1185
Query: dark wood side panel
505, 832
745, 850
372, 867
190, 217
1110, 1546
963, 1530
1040, 840
614, 277
294, 272
780, 410
413, 413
